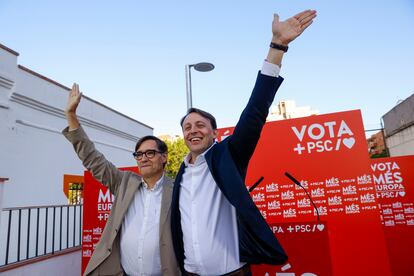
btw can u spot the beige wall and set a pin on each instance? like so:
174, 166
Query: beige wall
402, 143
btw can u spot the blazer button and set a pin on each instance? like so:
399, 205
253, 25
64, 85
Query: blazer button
109, 249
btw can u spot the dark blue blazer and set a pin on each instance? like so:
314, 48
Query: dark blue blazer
228, 162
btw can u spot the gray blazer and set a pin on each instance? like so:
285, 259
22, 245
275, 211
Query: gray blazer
106, 258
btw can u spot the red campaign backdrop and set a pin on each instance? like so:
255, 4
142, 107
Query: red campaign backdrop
394, 183
328, 155
296, 238
366, 206
97, 204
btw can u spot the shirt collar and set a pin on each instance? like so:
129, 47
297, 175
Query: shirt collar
157, 185
199, 160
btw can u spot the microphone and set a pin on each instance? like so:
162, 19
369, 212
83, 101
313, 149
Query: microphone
300, 185
256, 184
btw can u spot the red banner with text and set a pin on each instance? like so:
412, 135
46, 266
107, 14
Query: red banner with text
394, 184
97, 204
299, 239
328, 155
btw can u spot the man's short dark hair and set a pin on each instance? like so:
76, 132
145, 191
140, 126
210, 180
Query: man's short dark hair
202, 113
161, 146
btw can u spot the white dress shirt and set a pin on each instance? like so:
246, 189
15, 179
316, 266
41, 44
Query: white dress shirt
140, 238
211, 244
208, 220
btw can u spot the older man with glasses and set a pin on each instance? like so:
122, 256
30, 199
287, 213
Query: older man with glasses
137, 236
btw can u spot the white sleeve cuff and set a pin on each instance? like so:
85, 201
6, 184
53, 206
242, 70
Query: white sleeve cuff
270, 69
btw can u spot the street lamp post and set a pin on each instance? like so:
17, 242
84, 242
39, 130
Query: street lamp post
201, 67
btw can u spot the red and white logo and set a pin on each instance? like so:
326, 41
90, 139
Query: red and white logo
323, 137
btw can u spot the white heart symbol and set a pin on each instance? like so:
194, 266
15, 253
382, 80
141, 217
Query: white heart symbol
402, 193
349, 142
320, 227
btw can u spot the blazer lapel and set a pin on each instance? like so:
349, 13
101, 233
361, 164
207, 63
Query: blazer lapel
176, 230
165, 201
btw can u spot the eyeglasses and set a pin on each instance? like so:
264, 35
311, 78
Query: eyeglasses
149, 154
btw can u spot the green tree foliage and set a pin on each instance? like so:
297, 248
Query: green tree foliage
177, 150
384, 153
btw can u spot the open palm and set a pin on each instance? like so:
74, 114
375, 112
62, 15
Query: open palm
74, 99
286, 31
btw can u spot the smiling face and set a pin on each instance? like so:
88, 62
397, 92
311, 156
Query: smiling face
151, 167
198, 134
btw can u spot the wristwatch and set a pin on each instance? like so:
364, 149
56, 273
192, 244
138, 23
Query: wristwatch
279, 47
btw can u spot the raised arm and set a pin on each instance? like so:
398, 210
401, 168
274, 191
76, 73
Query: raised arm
93, 160
247, 131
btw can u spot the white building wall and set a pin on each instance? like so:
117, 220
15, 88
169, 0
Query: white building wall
2, 182
8, 68
34, 155
402, 142
287, 109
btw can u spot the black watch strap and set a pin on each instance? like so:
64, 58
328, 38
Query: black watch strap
279, 47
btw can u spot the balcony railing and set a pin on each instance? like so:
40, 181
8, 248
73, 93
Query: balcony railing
34, 231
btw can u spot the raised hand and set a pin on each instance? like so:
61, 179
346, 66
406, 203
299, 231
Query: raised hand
286, 31
72, 105
74, 99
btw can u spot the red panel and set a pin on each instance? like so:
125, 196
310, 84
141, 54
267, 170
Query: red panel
328, 155
299, 239
97, 205
394, 182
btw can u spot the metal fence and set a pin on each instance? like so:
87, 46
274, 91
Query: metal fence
30, 232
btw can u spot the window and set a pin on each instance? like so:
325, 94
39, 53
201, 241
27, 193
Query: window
75, 193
